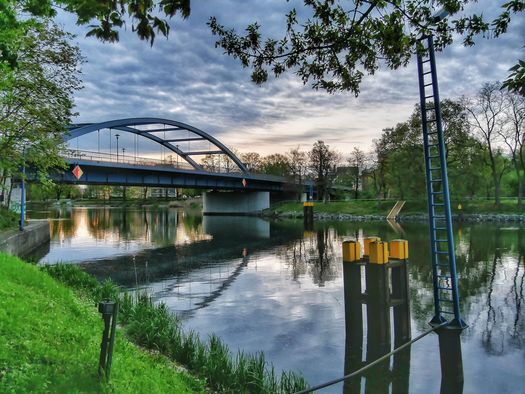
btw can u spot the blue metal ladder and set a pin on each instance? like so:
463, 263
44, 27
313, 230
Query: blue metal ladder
446, 296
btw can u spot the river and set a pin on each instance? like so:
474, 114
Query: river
271, 286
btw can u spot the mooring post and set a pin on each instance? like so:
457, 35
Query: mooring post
308, 214
451, 361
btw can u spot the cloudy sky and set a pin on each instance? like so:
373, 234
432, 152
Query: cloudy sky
185, 78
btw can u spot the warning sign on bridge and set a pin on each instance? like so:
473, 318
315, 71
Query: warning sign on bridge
77, 172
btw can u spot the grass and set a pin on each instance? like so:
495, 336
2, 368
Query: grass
8, 219
382, 207
50, 342
154, 327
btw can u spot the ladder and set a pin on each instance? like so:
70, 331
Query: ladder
446, 296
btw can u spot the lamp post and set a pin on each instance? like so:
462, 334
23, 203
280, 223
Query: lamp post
116, 136
123, 150
177, 155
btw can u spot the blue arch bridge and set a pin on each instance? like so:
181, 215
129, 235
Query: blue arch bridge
231, 186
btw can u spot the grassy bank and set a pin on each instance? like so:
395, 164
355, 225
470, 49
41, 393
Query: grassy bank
50, 341
8, 219
62, 351
154, 327
412, 207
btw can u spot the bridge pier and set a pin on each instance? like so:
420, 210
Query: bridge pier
235, 202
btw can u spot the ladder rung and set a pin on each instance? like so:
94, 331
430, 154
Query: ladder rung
430, 108
440, 252
434, 168
448, 312
445, 300
435, 180
441, 240
444, 288
444, 276
437, 192
425, 61
440, 228
438, 205
427, 72
428, 84
429, 96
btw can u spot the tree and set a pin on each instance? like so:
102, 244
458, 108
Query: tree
337, 43
275, 164
36, 101
298, 162
252, 160
110, 16
513, 134
485, 112
323, 163
357, 160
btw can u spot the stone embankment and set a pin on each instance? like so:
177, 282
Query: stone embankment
22, 243
466, 218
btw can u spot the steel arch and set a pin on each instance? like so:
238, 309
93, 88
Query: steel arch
127, 125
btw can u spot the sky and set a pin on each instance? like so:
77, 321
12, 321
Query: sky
185, 78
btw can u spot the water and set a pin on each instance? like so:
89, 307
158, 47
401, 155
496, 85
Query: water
273, 287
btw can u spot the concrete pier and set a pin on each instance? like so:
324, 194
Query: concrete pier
235, 203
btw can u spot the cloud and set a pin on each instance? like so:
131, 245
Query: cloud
186, 78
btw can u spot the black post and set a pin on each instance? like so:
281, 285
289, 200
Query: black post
451, 361
109, 310
354, 325
308, 215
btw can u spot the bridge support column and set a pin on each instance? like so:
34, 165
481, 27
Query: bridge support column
235, 203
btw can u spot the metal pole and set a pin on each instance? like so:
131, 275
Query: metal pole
116, 136
23, 197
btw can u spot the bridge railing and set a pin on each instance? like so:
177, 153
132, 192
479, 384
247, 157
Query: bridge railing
102, 157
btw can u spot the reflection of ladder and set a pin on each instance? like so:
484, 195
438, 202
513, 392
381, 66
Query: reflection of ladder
395, 210
446, 298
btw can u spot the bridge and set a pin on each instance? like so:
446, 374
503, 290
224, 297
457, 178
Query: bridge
223, 170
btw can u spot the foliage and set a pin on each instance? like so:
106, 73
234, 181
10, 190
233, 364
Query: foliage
323, 164
334, 44
36, 100
154, 327
50, 342
8, 219
110, 16
275, 164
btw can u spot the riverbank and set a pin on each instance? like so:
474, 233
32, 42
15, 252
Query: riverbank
50, 341
416, 210
61, 349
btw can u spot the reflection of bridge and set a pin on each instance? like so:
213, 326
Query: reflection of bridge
223, 170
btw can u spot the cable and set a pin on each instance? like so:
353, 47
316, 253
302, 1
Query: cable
359, 371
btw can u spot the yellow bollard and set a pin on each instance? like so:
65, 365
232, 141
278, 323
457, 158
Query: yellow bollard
399, 249
351, 251
378, 252
367, 242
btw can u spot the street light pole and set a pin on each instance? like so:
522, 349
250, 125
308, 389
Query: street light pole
116, 136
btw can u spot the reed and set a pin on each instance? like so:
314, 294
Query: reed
154, 327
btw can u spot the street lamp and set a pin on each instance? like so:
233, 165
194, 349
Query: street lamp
123, 150
177, 155
116, 136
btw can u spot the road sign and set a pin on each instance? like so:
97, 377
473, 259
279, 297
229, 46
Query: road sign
77, 172
244, 183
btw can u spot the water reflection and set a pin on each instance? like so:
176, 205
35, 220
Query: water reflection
273, 286
376, 292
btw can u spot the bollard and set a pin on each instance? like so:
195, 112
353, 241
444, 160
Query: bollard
109, 310
366, 243
351, 251
308, 214
378, 252
399, 249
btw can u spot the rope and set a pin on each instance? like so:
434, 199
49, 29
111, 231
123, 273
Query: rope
380, 359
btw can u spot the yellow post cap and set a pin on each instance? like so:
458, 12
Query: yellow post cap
378, 252
399, 249
351, 251
366, 244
